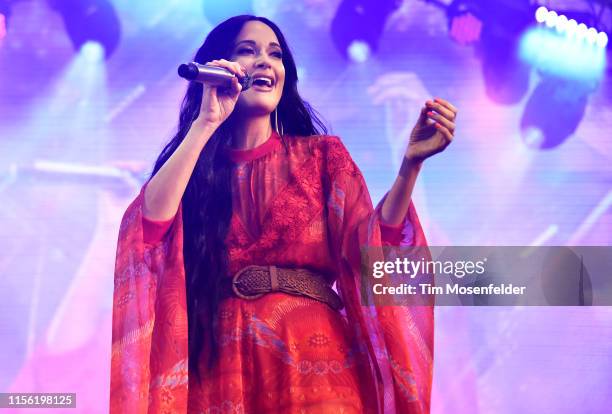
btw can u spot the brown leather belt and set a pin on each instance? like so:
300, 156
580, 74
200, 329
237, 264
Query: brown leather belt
252, 282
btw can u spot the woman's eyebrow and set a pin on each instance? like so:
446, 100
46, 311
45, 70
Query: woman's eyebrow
252, 42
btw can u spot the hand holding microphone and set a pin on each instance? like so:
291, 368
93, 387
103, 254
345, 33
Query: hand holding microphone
223, 81
212, 75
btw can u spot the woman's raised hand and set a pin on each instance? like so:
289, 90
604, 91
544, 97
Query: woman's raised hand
434, 130
218, 102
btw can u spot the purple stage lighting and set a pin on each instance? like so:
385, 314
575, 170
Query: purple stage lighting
5, 12
357, 26
2, 26
570, 27
90, 20
554, 111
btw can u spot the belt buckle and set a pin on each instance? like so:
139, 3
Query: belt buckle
236, 285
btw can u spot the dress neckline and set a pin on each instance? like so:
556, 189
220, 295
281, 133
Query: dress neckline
242, 155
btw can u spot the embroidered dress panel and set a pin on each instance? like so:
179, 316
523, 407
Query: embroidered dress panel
298, 202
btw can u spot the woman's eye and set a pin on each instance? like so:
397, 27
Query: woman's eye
278, 55
244, 51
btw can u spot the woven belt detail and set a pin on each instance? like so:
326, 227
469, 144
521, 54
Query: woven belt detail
252, 282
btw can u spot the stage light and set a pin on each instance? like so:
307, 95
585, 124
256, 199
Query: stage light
358, 25
92, 51
559, 55
570, 70
554, 111
591, 35
551, 18
581, 31
358, 51
561, 24
541, 14
90, 20
572, 26
602, 39
465, 28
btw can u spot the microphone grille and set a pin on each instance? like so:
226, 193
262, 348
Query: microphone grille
188, 71
246, 82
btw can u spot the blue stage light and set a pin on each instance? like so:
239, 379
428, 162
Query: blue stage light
571, 28
554, 111
358, 51
92, 51
90, 20
358, 25
562, 55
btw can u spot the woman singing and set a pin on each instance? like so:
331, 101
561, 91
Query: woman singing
238, 266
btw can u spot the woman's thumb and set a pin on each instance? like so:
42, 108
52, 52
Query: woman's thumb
236, 87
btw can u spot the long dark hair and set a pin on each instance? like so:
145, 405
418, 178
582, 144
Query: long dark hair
207, 201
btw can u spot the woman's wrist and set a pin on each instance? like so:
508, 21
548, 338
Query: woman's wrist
410, 167
203, 130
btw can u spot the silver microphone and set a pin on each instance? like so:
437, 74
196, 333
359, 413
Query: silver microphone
212, 75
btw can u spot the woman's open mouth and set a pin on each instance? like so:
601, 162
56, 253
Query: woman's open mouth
263, 83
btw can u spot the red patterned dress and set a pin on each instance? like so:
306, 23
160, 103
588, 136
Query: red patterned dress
298, 202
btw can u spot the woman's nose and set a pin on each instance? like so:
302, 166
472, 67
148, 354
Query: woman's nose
262, 62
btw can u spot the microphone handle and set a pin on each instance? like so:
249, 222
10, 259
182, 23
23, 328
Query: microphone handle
211, 75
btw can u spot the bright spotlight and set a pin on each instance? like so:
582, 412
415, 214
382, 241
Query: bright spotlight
562, 56
572, 26
561, 23
551, 18
540, 14
602, 39
533, 137
581, 31
591, 35
358, 51
92, 51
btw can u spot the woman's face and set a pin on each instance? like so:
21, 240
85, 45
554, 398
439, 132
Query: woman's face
258, 50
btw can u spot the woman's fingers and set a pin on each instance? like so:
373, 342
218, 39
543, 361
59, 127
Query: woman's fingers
445, 131
447, 105
441, 109
447, 123
236, 88
234, 67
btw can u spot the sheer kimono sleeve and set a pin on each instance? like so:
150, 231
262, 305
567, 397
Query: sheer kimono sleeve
398, 339
154, 231
149, 329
